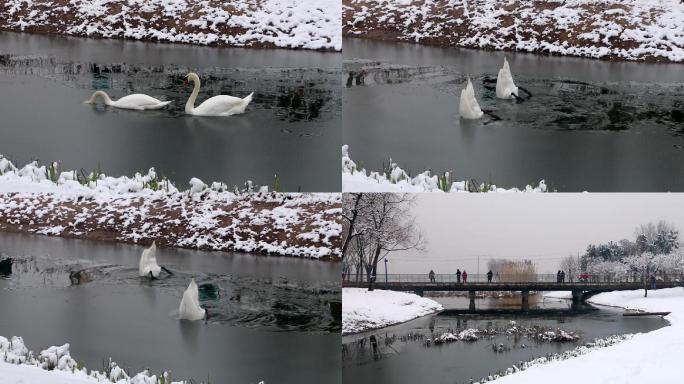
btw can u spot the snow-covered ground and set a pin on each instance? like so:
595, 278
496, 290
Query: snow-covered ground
54, 365
363, 310
239, 23
398, 180
143, 208
615, 29
653, 357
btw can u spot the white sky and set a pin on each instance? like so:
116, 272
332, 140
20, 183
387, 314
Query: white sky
541, 227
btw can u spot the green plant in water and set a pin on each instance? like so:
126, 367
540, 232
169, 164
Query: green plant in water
276, 184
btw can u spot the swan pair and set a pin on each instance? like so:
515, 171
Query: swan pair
469, 108
189, 308
221, 105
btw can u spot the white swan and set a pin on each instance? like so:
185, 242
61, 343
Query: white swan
221, 105
189, 306
148, 262
136, 101
505, 87
468, 107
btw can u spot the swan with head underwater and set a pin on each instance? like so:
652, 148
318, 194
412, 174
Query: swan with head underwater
148, 263
505, 86
190, 308
221, 105
137, 101
468, 106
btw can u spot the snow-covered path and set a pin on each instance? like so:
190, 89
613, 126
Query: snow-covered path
654, 357
363, 310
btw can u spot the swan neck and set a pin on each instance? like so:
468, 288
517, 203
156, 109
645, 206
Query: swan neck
190, 105
103, 95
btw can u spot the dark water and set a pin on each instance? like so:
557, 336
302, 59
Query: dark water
590, 125
400, 355
291, 128
269, 317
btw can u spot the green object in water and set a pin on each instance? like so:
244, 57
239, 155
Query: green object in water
208, 292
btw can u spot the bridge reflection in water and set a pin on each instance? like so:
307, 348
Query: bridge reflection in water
580, 289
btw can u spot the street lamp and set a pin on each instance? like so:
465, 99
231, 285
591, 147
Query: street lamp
385, 270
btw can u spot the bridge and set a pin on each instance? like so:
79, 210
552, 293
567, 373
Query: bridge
581, 290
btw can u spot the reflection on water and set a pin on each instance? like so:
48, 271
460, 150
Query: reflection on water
590, 125
401, 354
294, 110
270, 317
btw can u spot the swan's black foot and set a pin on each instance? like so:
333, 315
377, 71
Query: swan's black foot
167, 271
529, 94
491, 114
518, 99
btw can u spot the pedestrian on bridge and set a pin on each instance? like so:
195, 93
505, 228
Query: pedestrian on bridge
465, 276
431, 275
558, 275
458, 276
562, 276
490, 274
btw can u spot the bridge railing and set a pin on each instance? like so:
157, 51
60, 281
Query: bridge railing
504, 278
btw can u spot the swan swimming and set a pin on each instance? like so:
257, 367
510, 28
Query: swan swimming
505, 87
136, 101
468, 107
221, 105
148, 262
189, 308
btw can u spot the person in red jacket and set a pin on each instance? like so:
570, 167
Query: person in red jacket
465, 276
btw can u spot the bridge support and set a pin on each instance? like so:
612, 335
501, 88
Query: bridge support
471, 296
525, 300
577, 297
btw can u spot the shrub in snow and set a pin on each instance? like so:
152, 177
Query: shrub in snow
395, 179
57, 358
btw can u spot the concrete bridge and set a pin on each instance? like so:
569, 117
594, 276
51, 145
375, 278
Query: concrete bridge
581, 290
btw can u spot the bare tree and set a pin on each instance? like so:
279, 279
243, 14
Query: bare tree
378, 224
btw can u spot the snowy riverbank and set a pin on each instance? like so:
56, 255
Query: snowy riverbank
19, 365
395, 179
243, 23
653, 357
649, 30
143, 208
363, 310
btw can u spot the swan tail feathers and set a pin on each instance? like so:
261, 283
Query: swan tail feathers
248, 99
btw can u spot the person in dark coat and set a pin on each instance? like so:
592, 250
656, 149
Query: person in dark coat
490, 274
431, 275
458, 276
465, 276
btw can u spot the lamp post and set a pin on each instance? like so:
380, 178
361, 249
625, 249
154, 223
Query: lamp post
385, 270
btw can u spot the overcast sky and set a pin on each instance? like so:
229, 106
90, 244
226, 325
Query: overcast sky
544, 228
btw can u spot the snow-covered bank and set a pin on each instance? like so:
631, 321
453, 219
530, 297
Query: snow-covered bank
653, 357
143, 208
611, 29
363, 310
356, 179
55, 365
243, 23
